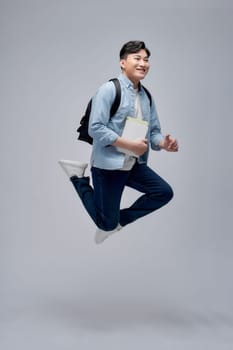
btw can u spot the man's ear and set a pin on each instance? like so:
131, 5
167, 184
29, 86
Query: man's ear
122, 63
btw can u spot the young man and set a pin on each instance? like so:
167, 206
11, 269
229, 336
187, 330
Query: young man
112, 164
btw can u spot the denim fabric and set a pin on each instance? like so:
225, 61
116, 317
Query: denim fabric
103, 202
105, 131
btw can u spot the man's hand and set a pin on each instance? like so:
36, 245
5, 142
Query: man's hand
169, 143
139, 146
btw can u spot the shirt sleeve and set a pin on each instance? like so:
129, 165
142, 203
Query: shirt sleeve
155, 129
100, 115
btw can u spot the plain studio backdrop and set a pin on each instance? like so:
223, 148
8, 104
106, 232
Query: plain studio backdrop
165, 281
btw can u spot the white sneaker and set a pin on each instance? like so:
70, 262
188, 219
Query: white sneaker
101, 235
73, 168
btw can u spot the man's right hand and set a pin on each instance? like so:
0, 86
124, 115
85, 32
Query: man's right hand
138, 146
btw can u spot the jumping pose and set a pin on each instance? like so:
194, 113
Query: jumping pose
118, 161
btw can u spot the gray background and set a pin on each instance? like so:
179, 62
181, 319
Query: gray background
164, 282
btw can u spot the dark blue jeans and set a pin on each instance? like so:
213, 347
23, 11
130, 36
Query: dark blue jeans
102, 202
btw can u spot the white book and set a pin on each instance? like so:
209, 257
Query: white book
134, 129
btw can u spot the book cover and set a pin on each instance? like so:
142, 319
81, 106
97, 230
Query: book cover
134, 129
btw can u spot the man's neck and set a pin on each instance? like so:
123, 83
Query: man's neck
135, 83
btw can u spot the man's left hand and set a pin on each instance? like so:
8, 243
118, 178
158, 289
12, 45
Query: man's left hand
169, 143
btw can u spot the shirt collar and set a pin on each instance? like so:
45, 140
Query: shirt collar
128, 82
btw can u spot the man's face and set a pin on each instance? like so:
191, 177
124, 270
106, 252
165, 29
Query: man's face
135, 66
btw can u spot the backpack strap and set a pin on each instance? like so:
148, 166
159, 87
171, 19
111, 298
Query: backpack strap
148, 94
117, 100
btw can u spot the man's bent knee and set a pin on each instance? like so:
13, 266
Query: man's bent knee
108, 225
164, 195
168, 193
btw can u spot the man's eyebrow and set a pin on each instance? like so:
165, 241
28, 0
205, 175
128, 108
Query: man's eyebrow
137, 55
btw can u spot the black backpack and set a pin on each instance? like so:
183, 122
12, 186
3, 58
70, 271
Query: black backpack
83, 128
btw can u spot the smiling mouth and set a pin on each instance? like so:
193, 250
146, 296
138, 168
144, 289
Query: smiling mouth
141, 70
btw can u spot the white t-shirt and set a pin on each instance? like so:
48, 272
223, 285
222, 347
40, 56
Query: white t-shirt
130, 160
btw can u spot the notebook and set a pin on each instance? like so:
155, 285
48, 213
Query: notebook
134, 129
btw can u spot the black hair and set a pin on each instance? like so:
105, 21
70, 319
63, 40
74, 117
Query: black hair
133, 47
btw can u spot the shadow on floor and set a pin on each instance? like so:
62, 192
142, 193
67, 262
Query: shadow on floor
111, 315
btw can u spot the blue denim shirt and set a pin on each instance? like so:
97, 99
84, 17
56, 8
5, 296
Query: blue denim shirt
105, 130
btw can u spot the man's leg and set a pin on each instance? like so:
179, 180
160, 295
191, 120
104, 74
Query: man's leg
103, 201
157, 193
75, 170
86, 194
108, 189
